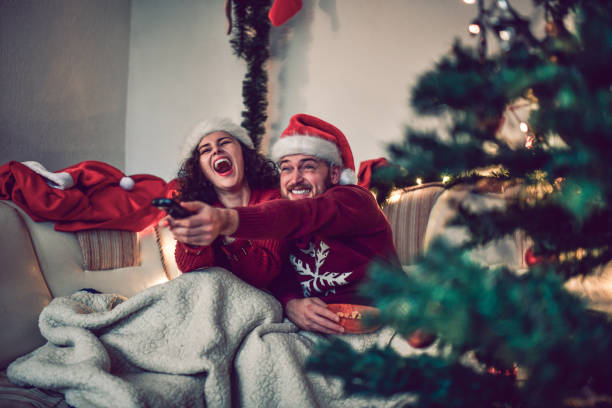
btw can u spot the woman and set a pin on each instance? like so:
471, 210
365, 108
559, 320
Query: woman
223, 169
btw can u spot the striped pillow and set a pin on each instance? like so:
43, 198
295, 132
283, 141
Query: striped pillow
408, 213
108, 249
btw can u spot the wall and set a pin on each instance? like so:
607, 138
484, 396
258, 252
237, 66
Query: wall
351, 62
182, 70
124, 81
63, 78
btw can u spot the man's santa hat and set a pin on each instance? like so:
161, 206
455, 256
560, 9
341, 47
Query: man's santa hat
206, 127
312, 136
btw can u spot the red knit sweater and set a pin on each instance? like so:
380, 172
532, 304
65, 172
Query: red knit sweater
332, 240
256, 261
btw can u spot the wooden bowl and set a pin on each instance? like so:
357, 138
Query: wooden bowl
352, 316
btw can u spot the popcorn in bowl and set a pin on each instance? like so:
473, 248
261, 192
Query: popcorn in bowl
352, 317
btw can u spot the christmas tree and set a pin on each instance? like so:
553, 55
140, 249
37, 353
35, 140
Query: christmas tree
491, 322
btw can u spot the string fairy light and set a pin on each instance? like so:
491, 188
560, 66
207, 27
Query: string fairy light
499, 17
474, 28
523, 126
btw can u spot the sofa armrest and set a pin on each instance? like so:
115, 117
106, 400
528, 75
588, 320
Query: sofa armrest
408, 212
509, 251
23, 293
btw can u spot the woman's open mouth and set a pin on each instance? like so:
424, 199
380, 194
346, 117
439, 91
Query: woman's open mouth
222, 166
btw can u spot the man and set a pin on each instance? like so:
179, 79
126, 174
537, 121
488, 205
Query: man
334, 227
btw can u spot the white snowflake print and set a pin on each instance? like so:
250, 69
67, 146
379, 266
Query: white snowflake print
318, 280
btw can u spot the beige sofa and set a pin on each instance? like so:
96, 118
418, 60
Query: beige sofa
40, 263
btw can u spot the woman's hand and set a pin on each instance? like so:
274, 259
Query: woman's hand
312, 314
204, 226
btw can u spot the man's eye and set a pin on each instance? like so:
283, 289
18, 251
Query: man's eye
285, 169
309, 167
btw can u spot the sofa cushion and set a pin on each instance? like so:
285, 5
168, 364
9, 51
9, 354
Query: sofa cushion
108, 249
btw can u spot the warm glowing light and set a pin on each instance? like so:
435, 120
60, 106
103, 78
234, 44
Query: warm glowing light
505, 35
474, 28
445, 179
469, 1
524, 128
394, 196
419, 181
502, 4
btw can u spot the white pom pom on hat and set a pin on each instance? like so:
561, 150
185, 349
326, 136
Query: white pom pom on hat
309, 135
209, 126
127, 183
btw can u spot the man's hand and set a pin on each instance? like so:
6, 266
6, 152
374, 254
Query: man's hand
204, 226
312, 314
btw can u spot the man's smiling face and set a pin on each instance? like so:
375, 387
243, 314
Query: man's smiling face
303, 176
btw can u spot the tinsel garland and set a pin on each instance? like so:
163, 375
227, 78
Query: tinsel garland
250, 42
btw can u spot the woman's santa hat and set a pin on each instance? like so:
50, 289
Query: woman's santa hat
312, 136
206, 127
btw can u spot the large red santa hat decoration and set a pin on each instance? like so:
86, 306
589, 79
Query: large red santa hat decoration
312, 136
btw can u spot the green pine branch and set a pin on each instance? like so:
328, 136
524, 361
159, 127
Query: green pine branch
250, 41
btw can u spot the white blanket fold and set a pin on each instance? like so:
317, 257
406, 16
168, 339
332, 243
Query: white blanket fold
204, 339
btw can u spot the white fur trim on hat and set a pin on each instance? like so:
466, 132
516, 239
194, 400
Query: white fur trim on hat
207, 127
61, 181
347, 177
308, 145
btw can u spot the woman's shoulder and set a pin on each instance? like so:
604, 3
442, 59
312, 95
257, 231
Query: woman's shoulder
262, 195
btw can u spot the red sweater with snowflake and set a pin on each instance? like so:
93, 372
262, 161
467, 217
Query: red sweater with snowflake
256, 261
332, 240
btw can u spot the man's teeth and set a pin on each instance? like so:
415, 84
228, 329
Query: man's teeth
300, 191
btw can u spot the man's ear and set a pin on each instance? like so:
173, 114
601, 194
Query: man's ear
334, 174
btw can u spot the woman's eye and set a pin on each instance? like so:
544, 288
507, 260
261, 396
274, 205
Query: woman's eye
204, 151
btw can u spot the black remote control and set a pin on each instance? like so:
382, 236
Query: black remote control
171, 207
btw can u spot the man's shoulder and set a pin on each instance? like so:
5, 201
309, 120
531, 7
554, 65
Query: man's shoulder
353, 190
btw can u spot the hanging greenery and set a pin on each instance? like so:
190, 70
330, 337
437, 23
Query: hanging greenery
250, 41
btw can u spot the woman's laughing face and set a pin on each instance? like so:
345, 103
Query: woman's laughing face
221, 161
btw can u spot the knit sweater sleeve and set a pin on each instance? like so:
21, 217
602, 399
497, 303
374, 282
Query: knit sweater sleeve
340, 211
189, 258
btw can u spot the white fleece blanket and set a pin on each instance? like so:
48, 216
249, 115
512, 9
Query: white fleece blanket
203, 339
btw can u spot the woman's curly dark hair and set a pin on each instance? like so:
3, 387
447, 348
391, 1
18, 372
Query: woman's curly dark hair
260, 173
